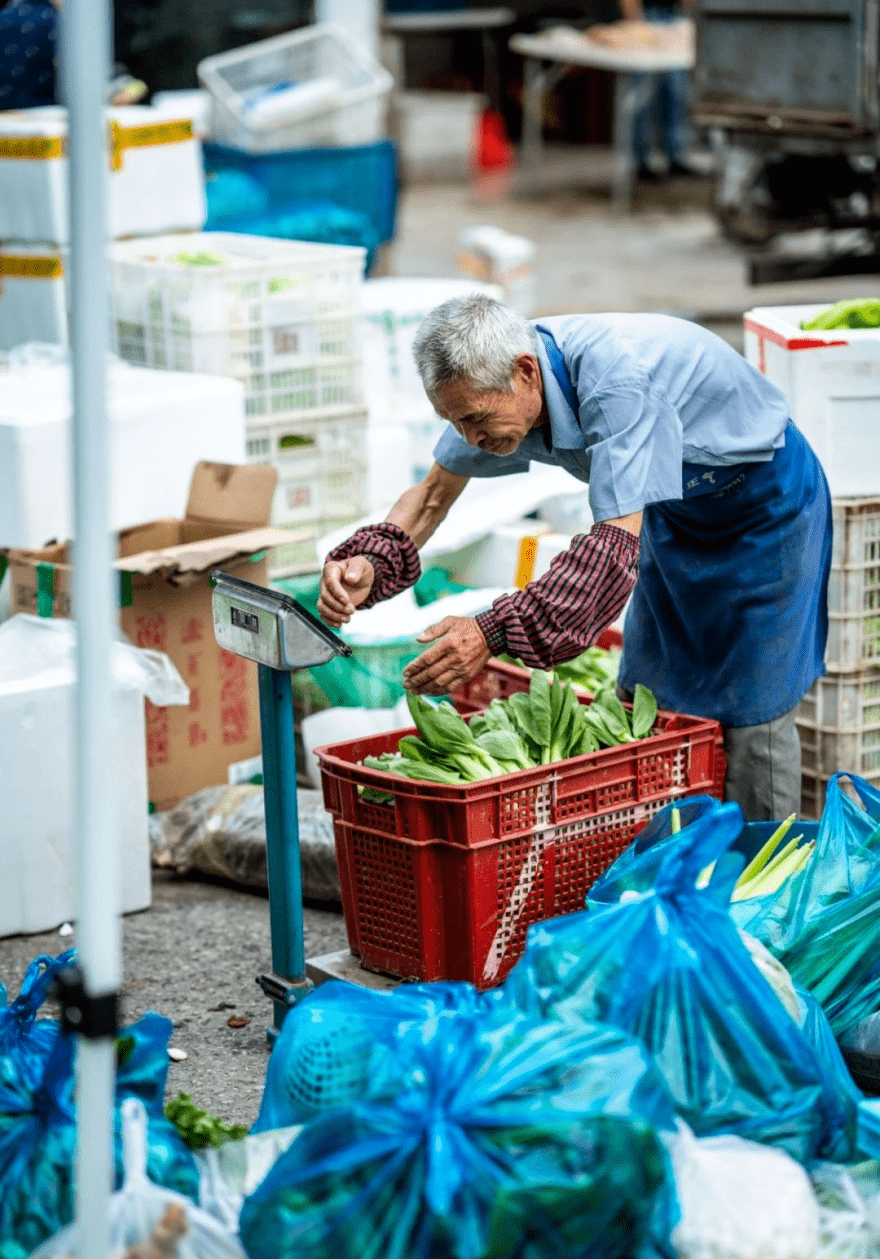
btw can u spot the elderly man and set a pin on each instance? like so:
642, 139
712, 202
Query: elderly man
699, 482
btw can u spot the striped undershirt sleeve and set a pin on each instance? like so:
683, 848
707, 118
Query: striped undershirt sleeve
392, 553
562, 613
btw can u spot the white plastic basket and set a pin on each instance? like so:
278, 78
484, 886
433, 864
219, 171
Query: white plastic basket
831, 382
839, 727
281, 316
854, 586
353, 113
321, 463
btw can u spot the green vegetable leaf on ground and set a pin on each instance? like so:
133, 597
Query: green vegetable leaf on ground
197, 1127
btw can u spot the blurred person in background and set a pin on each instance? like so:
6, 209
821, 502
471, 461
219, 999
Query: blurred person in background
29, 43
665, 116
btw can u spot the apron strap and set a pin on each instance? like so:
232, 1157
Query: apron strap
557, 366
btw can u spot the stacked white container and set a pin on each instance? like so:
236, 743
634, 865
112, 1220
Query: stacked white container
282, 317
831, 381
156, 185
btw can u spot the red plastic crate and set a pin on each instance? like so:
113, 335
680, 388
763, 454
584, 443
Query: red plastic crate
445, 883
499, 679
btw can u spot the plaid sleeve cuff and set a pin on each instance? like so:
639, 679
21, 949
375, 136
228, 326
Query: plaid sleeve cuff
393, 555
492, 630
626, 545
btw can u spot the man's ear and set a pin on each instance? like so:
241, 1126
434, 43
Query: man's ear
526, 368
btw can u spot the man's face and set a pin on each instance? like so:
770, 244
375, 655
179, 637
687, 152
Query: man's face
496, 422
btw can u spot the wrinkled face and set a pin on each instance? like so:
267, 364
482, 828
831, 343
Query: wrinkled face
496, 422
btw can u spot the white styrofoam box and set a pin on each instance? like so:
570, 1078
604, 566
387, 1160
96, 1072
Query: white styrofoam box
498, 257
485, 503
280, 316
568, 513
37, 775
242, 80
161, 425
389, 465
321, 463
393, 309
831, 381
32, 294
188, 103
512, 554
435, 133
156, 177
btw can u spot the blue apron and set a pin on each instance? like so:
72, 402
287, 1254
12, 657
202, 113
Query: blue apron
729, 616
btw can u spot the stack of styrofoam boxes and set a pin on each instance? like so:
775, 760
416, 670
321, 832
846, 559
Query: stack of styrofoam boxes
156, 184
831, 381
403, 426
283, 317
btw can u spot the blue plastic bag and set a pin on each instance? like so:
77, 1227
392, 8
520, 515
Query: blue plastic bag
668, 966
20, 1030
142, 1072
492, 1136
38, 1130
824, 925
339, 1038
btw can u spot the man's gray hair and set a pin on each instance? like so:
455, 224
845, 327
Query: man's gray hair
473, 338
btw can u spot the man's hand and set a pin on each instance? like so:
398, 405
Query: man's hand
460, 653
345, 584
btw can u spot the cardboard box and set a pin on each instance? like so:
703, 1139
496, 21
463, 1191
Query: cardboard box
165, 603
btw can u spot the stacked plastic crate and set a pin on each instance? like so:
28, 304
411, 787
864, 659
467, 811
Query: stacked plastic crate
832, 383
283, 317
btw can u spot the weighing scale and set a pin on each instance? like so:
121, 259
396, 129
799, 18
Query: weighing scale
280, 637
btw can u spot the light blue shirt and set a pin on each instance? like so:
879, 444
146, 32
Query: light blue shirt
654, 392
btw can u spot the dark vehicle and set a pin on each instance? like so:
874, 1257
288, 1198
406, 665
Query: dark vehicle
788, 91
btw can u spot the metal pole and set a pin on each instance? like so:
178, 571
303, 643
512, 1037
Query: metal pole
86, 56
282, 839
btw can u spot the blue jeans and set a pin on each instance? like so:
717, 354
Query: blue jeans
664, 118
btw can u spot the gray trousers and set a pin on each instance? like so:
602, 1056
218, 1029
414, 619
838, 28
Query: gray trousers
763, 767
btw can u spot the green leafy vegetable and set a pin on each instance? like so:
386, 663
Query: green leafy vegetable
197, 1127
548, 724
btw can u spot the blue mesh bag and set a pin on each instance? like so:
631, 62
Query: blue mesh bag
491, 1136
20, 1030
667, 965
340, 1037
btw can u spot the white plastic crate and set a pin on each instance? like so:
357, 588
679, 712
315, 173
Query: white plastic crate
854, 586
831, 381
839, 727
280, 316
321, 463
307, 89
156, 180
33, 305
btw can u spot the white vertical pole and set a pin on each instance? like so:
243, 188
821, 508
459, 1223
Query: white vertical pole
360, 18
86, 58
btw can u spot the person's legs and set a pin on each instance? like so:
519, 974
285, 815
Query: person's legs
643, 128
672, 107
764, 769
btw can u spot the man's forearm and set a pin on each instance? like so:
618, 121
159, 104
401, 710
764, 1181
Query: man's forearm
562, 613
422, 508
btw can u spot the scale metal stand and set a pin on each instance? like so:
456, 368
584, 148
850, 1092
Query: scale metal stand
281, 637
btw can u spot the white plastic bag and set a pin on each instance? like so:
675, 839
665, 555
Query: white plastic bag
147, 1222
849, 1210
231, 1173
40, 649
740, 1200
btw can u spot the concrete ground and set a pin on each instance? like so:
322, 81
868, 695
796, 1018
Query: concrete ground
194, 956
